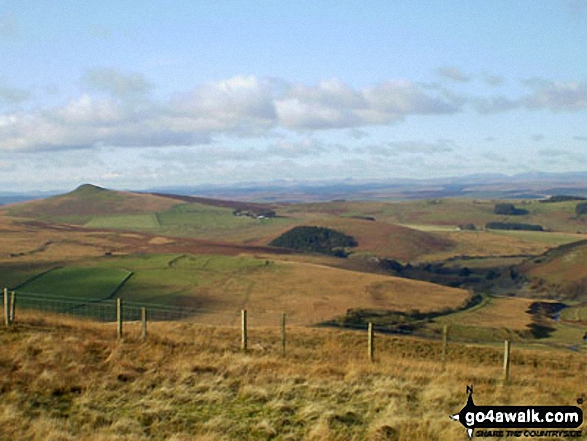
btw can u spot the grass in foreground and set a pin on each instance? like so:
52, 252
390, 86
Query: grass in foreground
63, 379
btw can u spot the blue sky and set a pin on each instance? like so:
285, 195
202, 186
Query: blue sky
146, 94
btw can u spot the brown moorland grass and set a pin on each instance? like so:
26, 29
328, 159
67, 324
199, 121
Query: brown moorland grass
389, 240
563, 268
87, 201
311, 293
382, 238
452, 212
403, 243
23, 240
62, 379
374, 238
489, 243
497, 312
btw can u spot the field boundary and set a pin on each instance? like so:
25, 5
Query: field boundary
107, 311
37, 276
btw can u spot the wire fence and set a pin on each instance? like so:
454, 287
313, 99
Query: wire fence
106, 310
102, 310
266, 331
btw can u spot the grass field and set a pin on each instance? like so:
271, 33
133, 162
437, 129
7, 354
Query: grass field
67, 380
575, 314
451, 212
497, 312
308, 293
561, 271
86, 202
77, 282
432, 236
220, 286
147, 221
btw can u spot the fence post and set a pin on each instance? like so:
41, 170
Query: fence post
444, 344
370, 347
6, 308
506, 360
119, 317
144, 323
283, 334
244, 330
12, 306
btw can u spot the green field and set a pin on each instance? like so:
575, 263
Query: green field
575, 314
451, 212
180, 279
197, 221
90, 261
125, 222
547, 238
83, 283
13, 276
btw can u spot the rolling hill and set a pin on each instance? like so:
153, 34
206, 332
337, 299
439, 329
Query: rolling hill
559, 272
197, 252
87, 201
219, 286
97, 208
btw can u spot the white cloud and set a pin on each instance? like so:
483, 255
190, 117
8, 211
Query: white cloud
239, 106
90, 122
247, 106
333, 104
556, 96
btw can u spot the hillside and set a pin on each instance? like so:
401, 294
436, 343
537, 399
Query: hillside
87, 201
66, 380
555, 216
178, 216
560, 271
220, 286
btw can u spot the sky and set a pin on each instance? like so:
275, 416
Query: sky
143, 94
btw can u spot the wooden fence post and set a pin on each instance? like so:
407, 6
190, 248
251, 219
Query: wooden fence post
506, 360
12, 306
444, 344
244, 330
6, 308
144, 323
283, 334
119, 317
370, 347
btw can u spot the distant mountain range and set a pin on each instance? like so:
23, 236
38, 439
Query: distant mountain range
9, 198
481, 186
532, 185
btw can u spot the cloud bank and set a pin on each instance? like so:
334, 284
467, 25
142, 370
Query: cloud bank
117, 109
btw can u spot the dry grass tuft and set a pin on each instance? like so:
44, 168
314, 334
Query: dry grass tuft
63, 379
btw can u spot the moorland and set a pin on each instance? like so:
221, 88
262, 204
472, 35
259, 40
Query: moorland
488, 269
